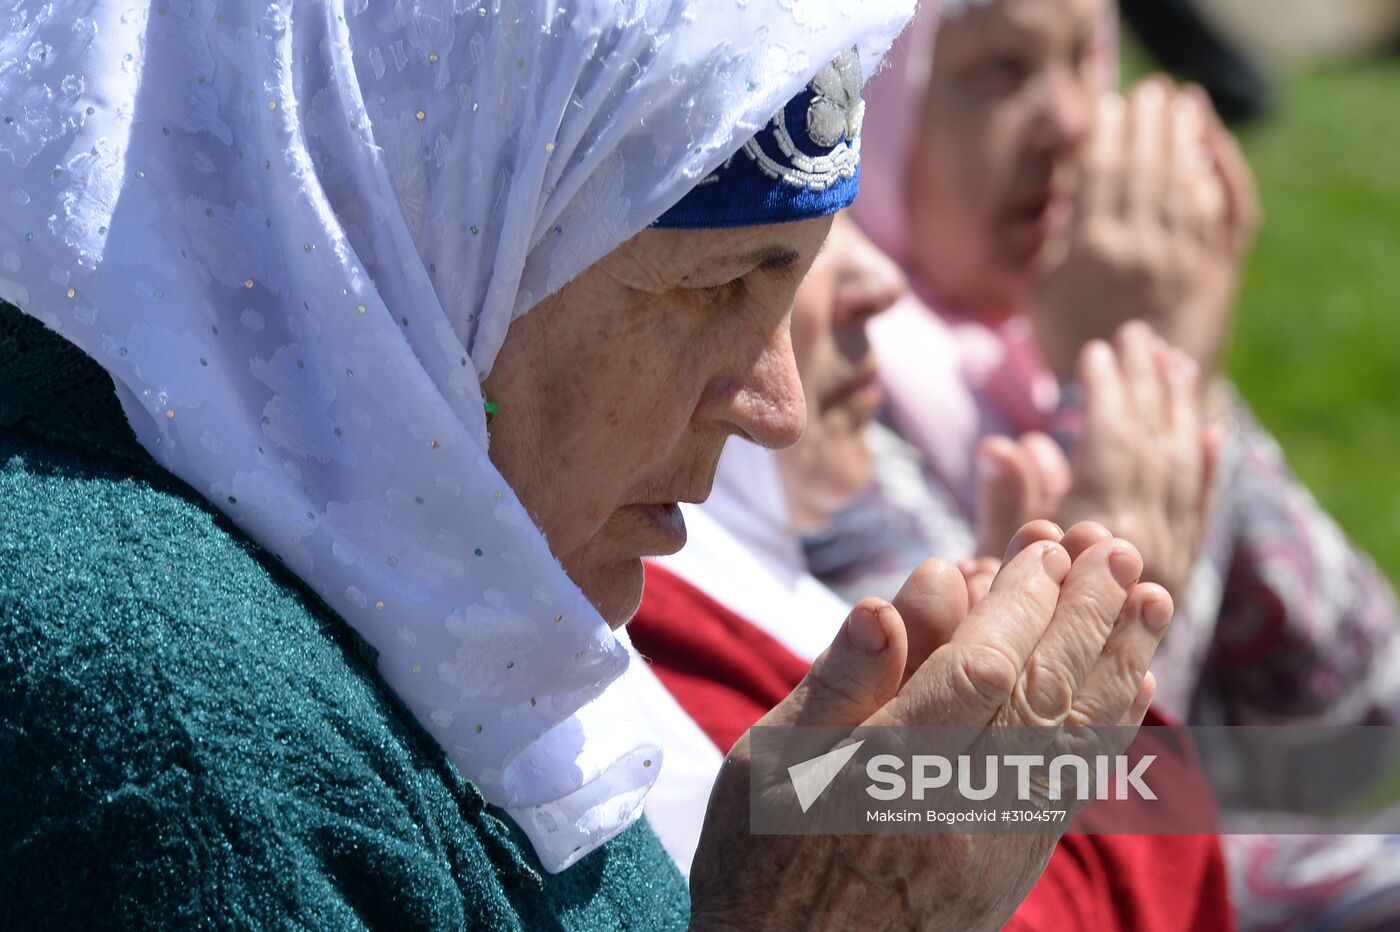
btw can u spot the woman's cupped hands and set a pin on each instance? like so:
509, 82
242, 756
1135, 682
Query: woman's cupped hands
1061, 636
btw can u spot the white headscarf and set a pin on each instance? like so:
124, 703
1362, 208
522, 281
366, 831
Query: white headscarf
295, 235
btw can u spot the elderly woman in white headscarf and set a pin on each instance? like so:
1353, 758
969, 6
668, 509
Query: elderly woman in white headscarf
354, 356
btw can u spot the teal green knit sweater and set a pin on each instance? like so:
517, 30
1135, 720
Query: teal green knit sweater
190, 738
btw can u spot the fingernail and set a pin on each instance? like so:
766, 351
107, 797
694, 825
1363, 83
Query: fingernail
1056, 561
1123, 567
865, 631
1157, 614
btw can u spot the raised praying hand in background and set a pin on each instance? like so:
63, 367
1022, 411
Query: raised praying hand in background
1165, 216
1143, 467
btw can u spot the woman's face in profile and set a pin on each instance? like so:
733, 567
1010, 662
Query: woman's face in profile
1012, 99
850, 282
616, 394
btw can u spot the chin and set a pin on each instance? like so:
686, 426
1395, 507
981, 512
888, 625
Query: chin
1006, 287
850, 471
615, 591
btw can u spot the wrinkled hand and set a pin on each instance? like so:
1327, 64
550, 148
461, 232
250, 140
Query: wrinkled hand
1144, 467
1064, 636
1166, 213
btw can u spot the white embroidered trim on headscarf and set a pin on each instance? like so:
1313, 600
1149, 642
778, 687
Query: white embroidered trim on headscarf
295, 236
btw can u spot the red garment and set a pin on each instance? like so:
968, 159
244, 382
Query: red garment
726, 674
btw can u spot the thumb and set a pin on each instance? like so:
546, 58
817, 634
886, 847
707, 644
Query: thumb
855, 676
1007, 491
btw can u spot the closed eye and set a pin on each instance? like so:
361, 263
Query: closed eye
1002, 74
773, 260
728, 291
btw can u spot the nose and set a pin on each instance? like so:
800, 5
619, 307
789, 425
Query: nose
1067, 110
765, 402
870, 284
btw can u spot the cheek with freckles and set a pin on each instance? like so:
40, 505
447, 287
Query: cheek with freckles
609, 405
629, 438
635, 454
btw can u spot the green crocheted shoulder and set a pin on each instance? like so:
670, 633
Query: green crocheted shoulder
189, 737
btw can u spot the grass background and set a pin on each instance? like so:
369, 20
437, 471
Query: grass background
1317, 339
1317, 336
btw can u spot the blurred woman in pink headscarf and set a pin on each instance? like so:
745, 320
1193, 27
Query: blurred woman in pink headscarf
1036, 213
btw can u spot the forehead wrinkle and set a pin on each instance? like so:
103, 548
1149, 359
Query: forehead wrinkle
659, 264
654, 265
634, 270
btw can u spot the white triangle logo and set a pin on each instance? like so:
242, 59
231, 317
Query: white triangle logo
811, 777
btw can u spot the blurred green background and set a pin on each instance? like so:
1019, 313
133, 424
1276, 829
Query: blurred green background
1317, 340
1317, 345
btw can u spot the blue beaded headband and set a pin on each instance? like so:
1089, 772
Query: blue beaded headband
804, 163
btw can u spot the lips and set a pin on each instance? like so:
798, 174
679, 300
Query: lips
664, 524
1035, 206
1031, 223
1044, 206
861, 391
